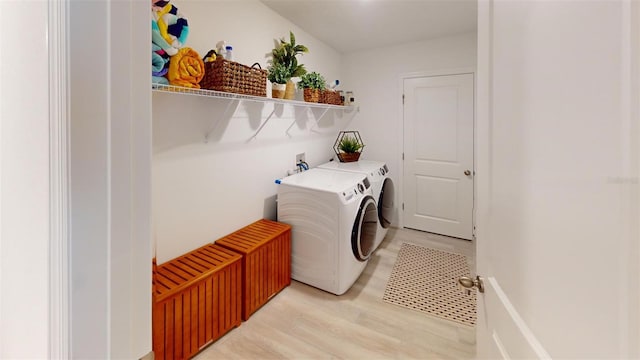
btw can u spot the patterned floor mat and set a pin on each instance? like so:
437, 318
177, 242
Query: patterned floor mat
426, 280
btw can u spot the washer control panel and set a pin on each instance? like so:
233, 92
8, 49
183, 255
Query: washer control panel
353, 192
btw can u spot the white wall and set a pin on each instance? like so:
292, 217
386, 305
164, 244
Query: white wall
110, 171
252, 29
374, 76
202, 192
24, 181
560, 173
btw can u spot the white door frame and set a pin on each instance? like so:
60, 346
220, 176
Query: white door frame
49, 323
124, 135
400, 112
59, 239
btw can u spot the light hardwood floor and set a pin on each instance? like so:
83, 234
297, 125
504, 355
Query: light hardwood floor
302, 322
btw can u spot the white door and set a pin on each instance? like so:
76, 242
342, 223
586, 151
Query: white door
438, 154
557, 179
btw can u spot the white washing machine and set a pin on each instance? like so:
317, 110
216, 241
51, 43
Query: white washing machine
333, 218
382, 186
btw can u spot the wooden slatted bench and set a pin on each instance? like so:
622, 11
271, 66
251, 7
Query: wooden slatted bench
196, 299
266, 262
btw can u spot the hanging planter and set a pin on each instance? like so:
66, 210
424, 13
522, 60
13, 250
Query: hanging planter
348, 146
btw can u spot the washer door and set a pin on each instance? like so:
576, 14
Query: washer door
385, 203
363, 235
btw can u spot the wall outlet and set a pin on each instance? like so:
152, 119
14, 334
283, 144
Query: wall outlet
299, 158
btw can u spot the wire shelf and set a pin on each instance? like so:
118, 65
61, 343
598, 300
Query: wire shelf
224, 95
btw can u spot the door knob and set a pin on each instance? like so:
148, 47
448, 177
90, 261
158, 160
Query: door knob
469, 283
467, 172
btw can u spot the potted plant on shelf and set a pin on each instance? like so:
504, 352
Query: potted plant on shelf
312, 83
278, 74
285, 53
348, 146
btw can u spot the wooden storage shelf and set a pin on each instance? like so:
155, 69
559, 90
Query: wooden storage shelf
266, 261
196, 299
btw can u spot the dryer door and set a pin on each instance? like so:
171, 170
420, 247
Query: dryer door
385, 203
363, 235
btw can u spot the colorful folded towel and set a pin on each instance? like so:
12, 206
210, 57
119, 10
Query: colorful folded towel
159, 80
157, 39
186, 68
157, 64
169, 28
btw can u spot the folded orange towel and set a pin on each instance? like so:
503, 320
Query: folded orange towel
186, 68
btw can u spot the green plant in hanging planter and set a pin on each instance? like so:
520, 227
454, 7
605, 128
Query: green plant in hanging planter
278, 73
350, 145
312, 80
285, 53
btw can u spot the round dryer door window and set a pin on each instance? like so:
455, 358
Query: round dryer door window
363, 235
385, 203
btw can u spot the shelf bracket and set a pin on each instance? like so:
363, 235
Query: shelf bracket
289, 128
263, 124
320, 117
214, 124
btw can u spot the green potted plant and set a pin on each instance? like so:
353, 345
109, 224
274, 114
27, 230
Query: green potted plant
278, 74
312, 83
348, 146
285, 53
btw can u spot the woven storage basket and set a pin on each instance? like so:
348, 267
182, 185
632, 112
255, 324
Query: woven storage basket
230, 76
330, 97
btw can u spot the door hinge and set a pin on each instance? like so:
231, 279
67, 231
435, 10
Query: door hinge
402, 206
402, 99
402, 156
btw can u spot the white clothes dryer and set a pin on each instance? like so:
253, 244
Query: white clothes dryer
381, 184
333, 220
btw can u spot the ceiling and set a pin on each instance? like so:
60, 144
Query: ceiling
352, 25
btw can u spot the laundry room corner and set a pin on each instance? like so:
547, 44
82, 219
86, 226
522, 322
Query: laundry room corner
215, 161
380, 121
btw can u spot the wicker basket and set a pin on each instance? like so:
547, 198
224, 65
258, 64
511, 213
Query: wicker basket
229, 76
311, 95
331, 97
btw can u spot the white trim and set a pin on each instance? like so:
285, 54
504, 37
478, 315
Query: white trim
109, 153
526, 333
411, 75
629, 313
59, 340
442, 72
2, 286
500, 346
482, 163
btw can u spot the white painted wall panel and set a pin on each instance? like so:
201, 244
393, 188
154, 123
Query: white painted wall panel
252, 29
110, 167
89, 166
24, 181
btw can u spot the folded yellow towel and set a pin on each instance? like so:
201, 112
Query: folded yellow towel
186, 68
